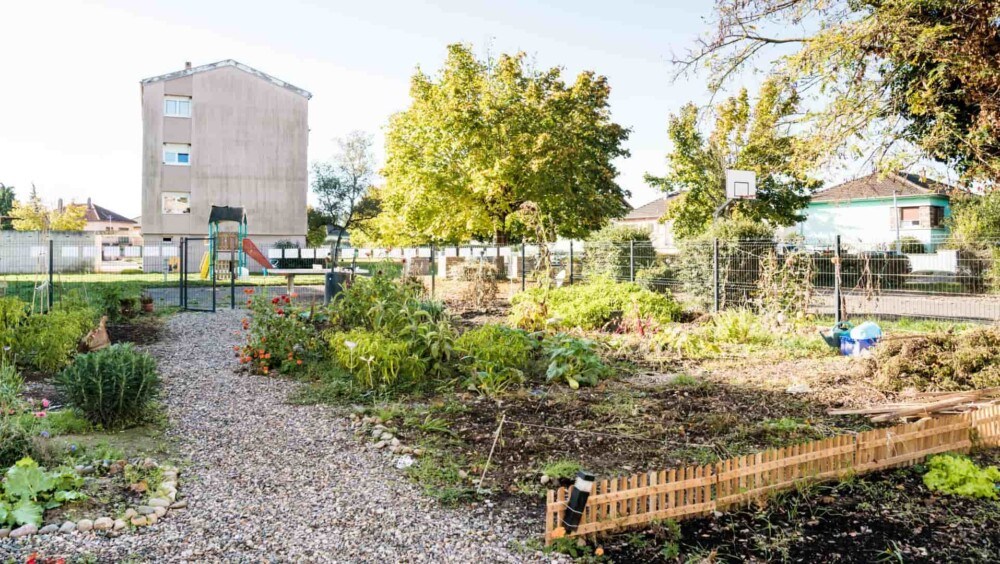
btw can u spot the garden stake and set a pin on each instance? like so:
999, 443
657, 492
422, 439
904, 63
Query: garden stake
577, 500
496, 438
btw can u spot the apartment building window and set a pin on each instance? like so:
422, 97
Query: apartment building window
176, 154
177, 106
175, 203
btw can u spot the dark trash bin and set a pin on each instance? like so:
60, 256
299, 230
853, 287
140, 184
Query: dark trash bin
334, 285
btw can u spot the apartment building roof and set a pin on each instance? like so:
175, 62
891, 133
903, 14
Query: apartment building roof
874, 186
189, 70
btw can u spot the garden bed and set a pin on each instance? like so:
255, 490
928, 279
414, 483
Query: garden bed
883, 517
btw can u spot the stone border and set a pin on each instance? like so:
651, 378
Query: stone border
159, 504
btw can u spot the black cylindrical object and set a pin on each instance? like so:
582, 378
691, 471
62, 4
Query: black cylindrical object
578, 495
333, 286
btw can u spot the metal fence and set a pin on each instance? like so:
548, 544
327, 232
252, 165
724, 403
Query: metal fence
931, 280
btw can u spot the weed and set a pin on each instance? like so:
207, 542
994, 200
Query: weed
441, 478
562, 469
573, 361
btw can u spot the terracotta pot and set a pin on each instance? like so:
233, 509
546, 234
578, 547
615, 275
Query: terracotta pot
148, 308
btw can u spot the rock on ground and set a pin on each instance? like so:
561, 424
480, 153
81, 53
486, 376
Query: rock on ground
269, 481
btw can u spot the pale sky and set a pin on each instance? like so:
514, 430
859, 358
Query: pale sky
70, 70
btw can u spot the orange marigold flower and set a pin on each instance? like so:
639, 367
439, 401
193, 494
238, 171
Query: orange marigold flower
299, 362
268, 355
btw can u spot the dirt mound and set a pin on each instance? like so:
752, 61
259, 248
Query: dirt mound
938, 362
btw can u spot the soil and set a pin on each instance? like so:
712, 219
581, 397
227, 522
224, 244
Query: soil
140, 330
886, 516
619, 428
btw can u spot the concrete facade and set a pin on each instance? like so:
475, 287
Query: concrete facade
245, 139
871, 222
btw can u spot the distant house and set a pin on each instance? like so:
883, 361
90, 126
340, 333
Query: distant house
648, 216
867, 210
115, 227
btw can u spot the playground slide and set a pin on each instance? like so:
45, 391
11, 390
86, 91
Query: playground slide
204, 267
253, 252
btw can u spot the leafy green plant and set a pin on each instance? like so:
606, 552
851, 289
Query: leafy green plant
377, 361
738, 326
48, 342
957, 475
574, 361
151, 477
11, 384
15, 443
28, 490
13, 312
118, 301
375, 303
432, 340
686, 342
111, 387
593, 305
495, 357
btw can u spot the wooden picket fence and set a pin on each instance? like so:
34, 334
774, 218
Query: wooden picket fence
628, 501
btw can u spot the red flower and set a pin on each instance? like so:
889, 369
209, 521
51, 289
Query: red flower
299, 362
248, 291
281, 311
275, 300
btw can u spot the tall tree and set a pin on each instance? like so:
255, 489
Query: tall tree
744, 138
34, 216
484, 138
921, 72
6, 204
344, 186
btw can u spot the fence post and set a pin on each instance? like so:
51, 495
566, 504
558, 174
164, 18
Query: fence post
838, 312
182, 249
631, 261
433, 269
524, 270
51, 264
715, 274
571, 263
232, 280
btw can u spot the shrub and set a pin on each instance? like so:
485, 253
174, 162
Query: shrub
741, 243
48, 342
377, 361
910, 245
278, 335
111, 387
590, 306
15, 443
658, 277
11, 384
738, 327
958, 475
494, 357
13, 312
608, 252
430, 340
118, 301
375, 303
573, 361
28, 490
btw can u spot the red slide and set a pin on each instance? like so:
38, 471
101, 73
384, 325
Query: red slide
253, 252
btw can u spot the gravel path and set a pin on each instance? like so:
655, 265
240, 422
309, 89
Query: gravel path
267, 481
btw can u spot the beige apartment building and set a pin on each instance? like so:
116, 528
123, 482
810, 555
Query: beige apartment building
223, 134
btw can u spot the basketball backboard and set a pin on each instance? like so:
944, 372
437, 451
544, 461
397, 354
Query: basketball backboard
741, 185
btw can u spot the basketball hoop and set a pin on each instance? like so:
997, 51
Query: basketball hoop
741, 185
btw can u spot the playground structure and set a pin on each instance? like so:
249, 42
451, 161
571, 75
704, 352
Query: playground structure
229, 249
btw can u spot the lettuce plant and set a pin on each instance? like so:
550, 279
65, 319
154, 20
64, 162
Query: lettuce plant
28, 490
958, 475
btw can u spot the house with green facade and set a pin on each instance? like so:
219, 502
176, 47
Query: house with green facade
878, 210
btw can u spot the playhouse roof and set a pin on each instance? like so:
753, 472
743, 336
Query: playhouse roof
227, 213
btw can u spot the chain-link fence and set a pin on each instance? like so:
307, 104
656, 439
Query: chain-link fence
936, 279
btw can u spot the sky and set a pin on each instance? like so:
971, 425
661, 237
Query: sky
69, 71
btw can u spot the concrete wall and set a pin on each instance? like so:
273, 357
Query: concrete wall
27, 252
248, 140
866, 222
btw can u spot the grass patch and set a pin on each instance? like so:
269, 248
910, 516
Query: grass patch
562, 469
443, 478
